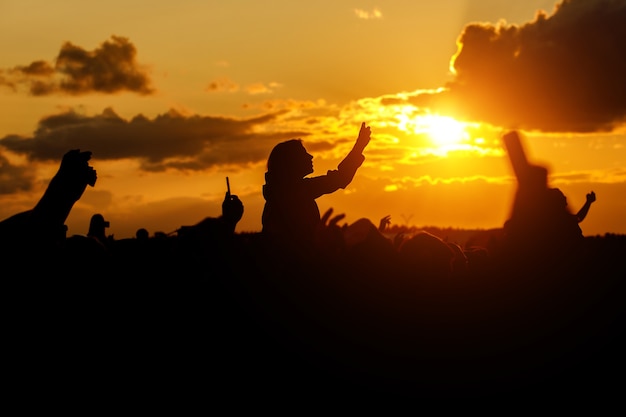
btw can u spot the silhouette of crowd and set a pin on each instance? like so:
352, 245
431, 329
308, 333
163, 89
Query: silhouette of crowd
310, 307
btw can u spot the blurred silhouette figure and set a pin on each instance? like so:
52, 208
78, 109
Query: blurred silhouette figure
540, 224
43, 227
291, 216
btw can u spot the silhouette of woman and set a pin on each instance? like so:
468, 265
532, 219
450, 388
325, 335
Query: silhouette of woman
291, 216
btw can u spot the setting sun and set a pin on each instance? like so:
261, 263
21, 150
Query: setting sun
166, 128
444, 131
402, 200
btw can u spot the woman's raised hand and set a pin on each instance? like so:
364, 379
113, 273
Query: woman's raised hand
364, 137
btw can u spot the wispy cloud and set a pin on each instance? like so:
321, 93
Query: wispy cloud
368, 14
225, 84
222, 85
261, 88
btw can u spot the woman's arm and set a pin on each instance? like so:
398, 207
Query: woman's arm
355, 158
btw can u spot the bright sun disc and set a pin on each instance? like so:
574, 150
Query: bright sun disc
444, 130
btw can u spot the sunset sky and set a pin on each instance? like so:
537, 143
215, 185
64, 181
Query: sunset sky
172, 97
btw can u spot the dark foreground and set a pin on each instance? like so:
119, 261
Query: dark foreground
237, 328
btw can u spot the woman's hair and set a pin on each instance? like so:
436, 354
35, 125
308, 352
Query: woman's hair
285, 157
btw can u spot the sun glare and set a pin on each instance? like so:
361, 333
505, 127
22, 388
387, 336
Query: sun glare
443, 131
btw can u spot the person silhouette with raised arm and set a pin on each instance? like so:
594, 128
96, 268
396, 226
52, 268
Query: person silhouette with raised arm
42, 228
223, 226
212, 236
540, 223
291, 216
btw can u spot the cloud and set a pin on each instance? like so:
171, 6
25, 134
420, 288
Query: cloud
168, 141
14, 178
173, 141
307, 109
364, 14
560, 72
110, 68
260, 88
222, 85
227, 85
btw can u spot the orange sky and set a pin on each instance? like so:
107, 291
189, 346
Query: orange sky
172, 98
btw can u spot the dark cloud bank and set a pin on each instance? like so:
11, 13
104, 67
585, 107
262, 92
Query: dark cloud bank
168, 141
564, 72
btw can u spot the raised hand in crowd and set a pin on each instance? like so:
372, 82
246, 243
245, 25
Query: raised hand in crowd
44, 225
384, 223
232, 209
584, 210
291, 215
329, 240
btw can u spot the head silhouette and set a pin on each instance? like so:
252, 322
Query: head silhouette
97, 225
290, 159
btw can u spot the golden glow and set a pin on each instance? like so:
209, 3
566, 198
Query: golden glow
417, 146
444, 131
